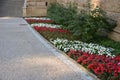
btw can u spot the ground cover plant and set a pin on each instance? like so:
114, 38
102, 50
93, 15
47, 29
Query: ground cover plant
38, 20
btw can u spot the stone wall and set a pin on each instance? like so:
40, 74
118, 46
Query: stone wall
80, 3
112, 7
115, 35
36, 7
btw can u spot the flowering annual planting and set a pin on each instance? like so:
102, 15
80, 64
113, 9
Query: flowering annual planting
38, 20
46, 25
94, 57
106, 68
65, 45
50, 29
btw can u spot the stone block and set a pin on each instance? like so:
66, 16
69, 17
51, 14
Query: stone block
111, 5
117, 29
113, 15
40, 4
95, 3
33, 11
24, 12
31, 4
115, 35
81, 3
51, 1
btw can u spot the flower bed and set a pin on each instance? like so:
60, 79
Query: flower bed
65, 45
106, 68
38, 20
50, 29
96, 58
45, 25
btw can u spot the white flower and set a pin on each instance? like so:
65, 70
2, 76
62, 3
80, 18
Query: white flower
36, 18
78, 45
45, 25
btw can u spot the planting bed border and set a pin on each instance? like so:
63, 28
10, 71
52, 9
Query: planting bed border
76, 67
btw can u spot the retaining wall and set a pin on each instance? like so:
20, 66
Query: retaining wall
112, 7
36, 7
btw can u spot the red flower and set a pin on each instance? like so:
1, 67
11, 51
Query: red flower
36, 28
119, 69
99, 71
38, 21
115, 73
44, 28
92, 66
80, 59
84, 62
99, 64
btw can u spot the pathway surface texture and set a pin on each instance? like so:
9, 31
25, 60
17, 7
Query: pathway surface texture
24, 55
11, 8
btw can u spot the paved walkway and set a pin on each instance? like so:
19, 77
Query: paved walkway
11, 8
24, 55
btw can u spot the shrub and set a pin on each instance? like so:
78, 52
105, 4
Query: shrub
60, 14
89, 25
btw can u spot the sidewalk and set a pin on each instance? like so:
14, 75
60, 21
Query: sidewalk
11, 8
24, 55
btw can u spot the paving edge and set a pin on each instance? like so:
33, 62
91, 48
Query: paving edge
79, 69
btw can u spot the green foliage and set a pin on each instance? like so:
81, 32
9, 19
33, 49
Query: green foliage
60, 14
109, 43
91, 24
101, 41
88, 25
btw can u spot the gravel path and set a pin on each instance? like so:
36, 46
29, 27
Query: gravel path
26, 56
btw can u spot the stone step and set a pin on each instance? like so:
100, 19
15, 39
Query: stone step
115, 35
117, 29
36, 4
